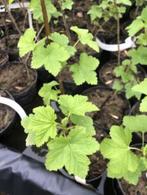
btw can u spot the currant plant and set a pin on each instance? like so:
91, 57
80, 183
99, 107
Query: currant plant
69, 137
126, 78
127, 72
126, 161
108, 9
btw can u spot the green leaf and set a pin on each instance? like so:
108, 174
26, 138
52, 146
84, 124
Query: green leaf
48, 93
95, 12
26, 42
40, 126
136, 123
141, 87
37, 11
71, 152
117, 150
135, 27
51, 57
139, 55
142, 39
84, 71
85, 37
77, 105
144, 14
66, 4
143, 105
63, 41
118, 86
84, 121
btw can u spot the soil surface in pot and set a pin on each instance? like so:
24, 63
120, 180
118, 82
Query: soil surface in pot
6, 113
3, 58
139, 189
112, 106
98, 164
16, 78
107, 75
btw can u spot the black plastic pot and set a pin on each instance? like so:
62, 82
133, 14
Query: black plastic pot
8, 128
44, 76
26, 95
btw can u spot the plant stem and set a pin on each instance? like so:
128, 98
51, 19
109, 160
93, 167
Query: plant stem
45, 17
142, 139
11, 16
118, 31
132, 148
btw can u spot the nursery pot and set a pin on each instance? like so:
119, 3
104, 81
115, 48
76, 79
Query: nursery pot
20, 81
7, 115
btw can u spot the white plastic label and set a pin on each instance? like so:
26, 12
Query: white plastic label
15, 106
129, 43
19, 5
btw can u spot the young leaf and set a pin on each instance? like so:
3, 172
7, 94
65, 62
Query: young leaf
71, 152
95, 12
66, 4
136, 123
51, 57
85, 37
143, 105
84, 121
84, 71
135, 27
48, 93
40, 126
63, 41
141, 87
77, 105
26, 42
139, 55
117, 150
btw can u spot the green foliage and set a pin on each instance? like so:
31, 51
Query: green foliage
66, 4
48, 92
70, 139
37, 12
123, 163
136, 123
77, 105
52, 57
71, 152
138, 24
26, 42
108, 9
84, 71
126, 78
142, 88
139, 55
40, 126
85, 37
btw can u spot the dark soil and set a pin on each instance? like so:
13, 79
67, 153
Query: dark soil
98, 164
139, 189
3, 58
6, 113
16, 78
112, 107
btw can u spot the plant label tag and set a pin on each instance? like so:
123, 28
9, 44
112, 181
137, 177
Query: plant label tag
129, 43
